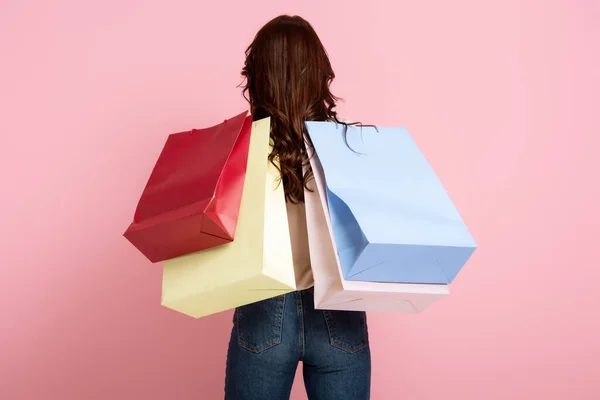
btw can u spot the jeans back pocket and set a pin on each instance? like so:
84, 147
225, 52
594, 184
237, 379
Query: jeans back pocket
347, 330
260, 324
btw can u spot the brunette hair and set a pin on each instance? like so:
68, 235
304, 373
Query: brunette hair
287, 77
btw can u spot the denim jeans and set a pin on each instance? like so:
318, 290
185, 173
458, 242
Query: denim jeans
269, 338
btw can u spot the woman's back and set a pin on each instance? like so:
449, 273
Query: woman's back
288, 75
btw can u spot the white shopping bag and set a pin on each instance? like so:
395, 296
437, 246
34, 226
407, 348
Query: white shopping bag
332, 291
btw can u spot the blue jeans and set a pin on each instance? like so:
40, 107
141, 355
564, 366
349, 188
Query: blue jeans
270, 337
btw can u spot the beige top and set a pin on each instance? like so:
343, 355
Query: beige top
299, 238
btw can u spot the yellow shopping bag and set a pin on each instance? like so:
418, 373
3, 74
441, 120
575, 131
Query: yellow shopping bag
257, 265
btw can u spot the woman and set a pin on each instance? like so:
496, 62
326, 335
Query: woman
288, 75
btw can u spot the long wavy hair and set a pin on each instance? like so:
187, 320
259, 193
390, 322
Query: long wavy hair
287, 77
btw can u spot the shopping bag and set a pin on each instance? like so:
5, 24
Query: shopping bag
192, 199
257, 265
392, 219
331, 290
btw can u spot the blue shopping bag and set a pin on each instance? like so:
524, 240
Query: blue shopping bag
392, 219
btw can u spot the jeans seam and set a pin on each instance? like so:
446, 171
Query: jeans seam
300, 309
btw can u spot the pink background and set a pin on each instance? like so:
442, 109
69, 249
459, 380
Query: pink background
500, 95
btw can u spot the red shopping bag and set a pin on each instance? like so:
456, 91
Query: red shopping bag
192, 199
